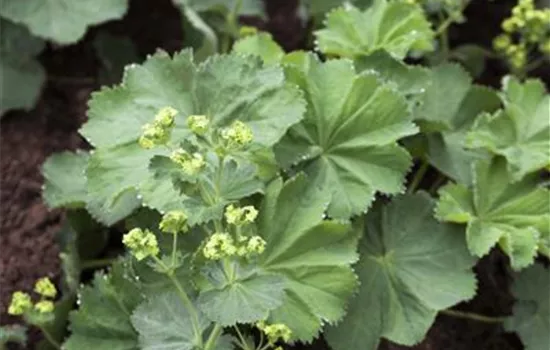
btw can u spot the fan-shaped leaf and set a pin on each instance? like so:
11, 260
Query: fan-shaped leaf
65, 179
520, 132
410, 267
59, 20
347, 141
394, 26
515, 215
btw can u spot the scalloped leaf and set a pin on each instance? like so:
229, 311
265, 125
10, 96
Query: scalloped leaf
446, 113
520, 131
245, 297
514, 215
19, 69
409, 80
103, 319
347, 141
262, 45
59, 20
65, 179
163, 323
411, 267
225, 88
394, 26
531, 313
313, 255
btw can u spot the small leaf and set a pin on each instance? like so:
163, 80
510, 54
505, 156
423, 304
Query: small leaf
394, 26
531, 313
515, 215
62, 21
103, 319
411, 267
65, 179
246, 298
347, 142
165, 323
313, 255
262, 45
520, 131
21, 75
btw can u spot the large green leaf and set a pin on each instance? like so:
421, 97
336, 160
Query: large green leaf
21, 75
531, 316
59, 20
347, 142
65, 179
446, 112
394, 26
224, 88
514, 215
520, 132
103, 319
246, 296
314, 256
163, 323
411, 267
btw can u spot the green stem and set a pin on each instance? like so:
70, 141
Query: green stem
96, 263
174, 249
213, 338
50, 338
242, 341
418, 176
437, 183
472, 316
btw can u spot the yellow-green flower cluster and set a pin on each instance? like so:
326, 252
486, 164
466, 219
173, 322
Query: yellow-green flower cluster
158, 132
173, 222
198, 124
525, 29
21, 302
142, 243
275, 332
191, 164
240, 216
238, 135
219, 246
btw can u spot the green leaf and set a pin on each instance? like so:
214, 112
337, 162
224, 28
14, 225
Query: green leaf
318, 7
347, 142
114, 52
447, 110
225, 88
262, 45
520, 131
163, 322
514, 215
103, 319
394, 26
409, 80
314, 256
246, 297
411, 267
21, 75
65, 179
531, 314
62, 21
13, 334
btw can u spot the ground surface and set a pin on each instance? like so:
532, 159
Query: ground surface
27, 228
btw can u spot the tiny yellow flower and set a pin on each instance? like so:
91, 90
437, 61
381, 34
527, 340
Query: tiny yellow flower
44, 306
174, 221
240, 216
198, 124
142, 243
191, 164
218, 246
238, 135
20, 303
165, 117
256, 245
45, 287
277, 331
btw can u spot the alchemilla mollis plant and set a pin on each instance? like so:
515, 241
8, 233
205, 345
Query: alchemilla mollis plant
271, 198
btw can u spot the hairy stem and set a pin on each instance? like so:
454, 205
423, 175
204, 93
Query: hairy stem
472, 316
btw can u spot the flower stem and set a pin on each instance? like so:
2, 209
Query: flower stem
50, 338
213, 338
174, 249
472, 316
418, 176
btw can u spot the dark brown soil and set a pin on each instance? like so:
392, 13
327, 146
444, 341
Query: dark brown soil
27, 227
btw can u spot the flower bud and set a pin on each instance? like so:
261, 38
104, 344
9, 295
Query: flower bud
191, 164
20, 303
238, 135
44, 306
45, 287
218, 246
174, 221
142, 243
165, 117
240, 216
198, 124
